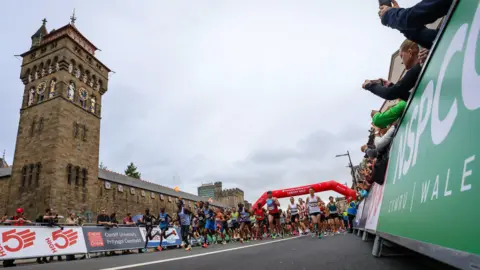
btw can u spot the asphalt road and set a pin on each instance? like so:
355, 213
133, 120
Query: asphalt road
301, 253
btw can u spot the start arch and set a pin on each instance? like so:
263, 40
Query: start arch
302, 190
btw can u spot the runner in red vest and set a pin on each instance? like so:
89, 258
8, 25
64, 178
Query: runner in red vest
273, 215
260, 218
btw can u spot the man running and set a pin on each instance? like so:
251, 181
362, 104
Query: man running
273, 215
209, 224
333, 217
184, 216
313, 202
148, 220
303, 213
244, 222
164, 219
292, 209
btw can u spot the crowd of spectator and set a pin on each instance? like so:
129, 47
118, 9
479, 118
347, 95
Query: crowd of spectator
414, 51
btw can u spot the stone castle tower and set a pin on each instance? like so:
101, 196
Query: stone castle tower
57, 149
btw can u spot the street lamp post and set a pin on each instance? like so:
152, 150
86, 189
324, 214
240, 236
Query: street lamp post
349, 165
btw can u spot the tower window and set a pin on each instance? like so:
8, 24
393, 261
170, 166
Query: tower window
24, 175
84, 133
32, 128
84, 177
37, 173
75, 129
77, 175
40, 125
69, 174
30, 174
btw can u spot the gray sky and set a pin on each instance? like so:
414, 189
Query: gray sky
257, 94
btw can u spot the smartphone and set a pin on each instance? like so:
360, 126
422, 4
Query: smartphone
385, 3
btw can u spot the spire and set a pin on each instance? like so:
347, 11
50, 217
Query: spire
41, 32
73, 18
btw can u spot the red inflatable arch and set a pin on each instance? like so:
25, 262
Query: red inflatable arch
302, 190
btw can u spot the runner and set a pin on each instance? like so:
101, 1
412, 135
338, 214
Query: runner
209, 225
235, 223
273, 215
292, 209
219, 220
283, 218
244, 222
201, 221
303, 213
260, 217
324, 219
333, 217
148, 220
252, 226
313, 202
184, 216
164, 219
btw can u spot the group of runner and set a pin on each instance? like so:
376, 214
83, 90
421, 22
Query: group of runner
211, 226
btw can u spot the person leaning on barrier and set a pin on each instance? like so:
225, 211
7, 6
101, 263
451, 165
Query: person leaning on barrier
384, 119
413, 58
411, 21
17, 220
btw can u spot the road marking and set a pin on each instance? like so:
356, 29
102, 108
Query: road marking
196, 255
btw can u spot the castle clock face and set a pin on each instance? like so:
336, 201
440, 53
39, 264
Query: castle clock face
83, 93
41, 88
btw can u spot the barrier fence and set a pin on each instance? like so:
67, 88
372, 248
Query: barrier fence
22, 242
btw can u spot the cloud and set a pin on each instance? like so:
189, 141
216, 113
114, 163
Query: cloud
257, 94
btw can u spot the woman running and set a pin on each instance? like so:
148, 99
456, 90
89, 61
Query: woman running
303, 213
313, 202
260, 217
219, 219
333, 217
244, 222
273, 215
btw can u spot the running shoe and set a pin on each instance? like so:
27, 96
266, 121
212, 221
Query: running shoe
188, 248
205, 245
159, 248
320, 236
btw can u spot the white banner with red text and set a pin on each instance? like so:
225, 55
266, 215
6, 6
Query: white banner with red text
31, 242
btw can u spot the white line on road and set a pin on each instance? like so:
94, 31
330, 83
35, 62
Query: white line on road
196, 255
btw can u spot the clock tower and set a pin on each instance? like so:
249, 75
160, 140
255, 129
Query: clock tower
57, 149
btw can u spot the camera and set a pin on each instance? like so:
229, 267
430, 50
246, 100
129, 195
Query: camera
385, 3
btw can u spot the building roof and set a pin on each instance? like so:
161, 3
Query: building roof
5, 172
3, 163
137, 183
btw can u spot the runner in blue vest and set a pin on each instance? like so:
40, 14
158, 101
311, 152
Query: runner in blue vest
164, 219
209, 224
333, 217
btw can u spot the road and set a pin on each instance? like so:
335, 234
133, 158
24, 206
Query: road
340, 252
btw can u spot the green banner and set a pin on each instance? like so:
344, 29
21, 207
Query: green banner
432, 191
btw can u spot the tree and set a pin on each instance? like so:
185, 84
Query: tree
132, 171
102, 166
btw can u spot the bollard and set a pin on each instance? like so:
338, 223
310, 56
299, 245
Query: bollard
365, 236
377, 246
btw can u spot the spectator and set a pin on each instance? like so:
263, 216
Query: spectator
412, 59
384, 119
411, 21
128, 220
103, 219
72, 219
113, 219
351, 212
17, 220
4, 218
383, 137
50, 218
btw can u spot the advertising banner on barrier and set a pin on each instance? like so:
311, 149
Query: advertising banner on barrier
373, 206
356, 221
31, 242
172, 240
104, 239
435, 157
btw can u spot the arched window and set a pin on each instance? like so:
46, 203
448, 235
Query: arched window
69, 174
30, 174
77, 175
71, 66
24, 175
84, 177
28, 75
37, 173
32, 128
75, 129
40, 125
42, 70
31, 96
